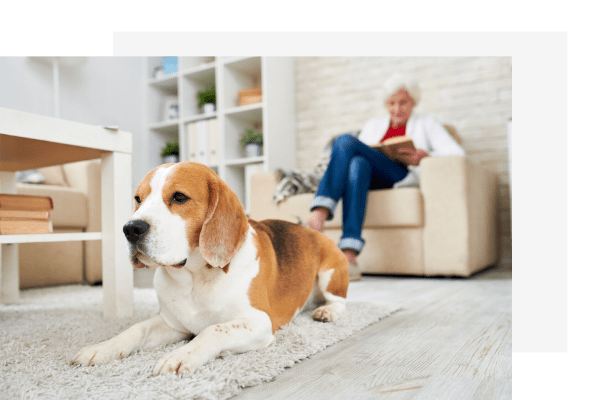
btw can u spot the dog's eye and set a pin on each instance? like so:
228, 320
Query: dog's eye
179, 198
138, 200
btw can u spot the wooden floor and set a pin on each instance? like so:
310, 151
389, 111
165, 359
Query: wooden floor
451, 340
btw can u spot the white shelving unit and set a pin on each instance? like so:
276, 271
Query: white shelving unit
274, 116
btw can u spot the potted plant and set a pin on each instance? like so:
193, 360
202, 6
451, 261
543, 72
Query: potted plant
207, 100
251, 142
170, 153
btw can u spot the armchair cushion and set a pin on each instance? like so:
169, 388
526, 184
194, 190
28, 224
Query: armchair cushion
445, 227
388, 208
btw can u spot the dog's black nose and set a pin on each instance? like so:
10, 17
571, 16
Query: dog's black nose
135, 230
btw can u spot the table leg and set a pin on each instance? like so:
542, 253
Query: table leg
117, 203
9, 275
9, 253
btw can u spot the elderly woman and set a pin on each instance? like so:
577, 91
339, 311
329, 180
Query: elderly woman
355, 167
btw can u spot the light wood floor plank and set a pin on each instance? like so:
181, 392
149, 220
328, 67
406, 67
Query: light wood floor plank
451, 340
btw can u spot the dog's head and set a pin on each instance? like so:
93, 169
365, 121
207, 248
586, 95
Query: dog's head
180, 208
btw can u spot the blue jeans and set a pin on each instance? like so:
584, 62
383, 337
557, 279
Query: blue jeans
354, 169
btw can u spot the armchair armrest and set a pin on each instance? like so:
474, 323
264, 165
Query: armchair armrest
460, 232
85, 176
261, 200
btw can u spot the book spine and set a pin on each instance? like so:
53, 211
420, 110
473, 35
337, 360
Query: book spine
22, 202
21, 214
19, 227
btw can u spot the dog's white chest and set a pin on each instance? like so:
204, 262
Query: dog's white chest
192, 300
185, 304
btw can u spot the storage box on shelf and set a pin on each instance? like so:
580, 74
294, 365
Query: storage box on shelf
251, 92
249, 96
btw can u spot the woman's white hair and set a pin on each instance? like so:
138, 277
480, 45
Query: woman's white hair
401, 81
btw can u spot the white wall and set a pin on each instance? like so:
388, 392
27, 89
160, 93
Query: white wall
101, 91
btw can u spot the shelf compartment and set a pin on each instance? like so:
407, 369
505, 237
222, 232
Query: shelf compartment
167, 84
199, 117
250, 64
198, 71
167, 127
190, 63
240, 74
245, 161
158, 100
195, 80
243, 109
235, 124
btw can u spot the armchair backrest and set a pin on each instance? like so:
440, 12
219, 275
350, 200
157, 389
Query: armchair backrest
452, 131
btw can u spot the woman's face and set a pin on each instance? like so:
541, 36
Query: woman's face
400, 106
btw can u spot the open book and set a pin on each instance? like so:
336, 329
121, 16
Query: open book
390, 147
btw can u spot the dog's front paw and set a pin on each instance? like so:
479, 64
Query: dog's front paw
326, 313
182, 361
100, 353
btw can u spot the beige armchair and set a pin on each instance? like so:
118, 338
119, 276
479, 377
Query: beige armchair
75, 192
445, 227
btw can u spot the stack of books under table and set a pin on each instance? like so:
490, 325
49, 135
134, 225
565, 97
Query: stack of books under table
20, 214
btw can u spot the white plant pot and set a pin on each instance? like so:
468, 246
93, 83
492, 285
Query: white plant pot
252, 150
170, 159
208, 108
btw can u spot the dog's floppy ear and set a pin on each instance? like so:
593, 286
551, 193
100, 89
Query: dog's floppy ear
225, 225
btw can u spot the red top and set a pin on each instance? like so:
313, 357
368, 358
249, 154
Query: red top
394, 131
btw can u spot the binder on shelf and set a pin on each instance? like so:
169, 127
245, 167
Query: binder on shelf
192, 142
202, 141
213, 142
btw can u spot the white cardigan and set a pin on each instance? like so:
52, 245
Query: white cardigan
425, 132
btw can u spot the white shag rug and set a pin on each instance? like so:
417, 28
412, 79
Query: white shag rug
40, 335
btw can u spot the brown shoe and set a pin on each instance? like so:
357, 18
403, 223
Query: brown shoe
354, 272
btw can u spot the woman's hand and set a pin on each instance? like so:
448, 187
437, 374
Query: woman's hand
411, 156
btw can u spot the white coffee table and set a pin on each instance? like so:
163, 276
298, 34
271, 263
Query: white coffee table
29, 141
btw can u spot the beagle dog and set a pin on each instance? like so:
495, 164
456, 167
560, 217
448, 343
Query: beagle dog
222, 279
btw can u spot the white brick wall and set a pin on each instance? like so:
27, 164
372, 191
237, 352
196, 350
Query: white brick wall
474, 94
